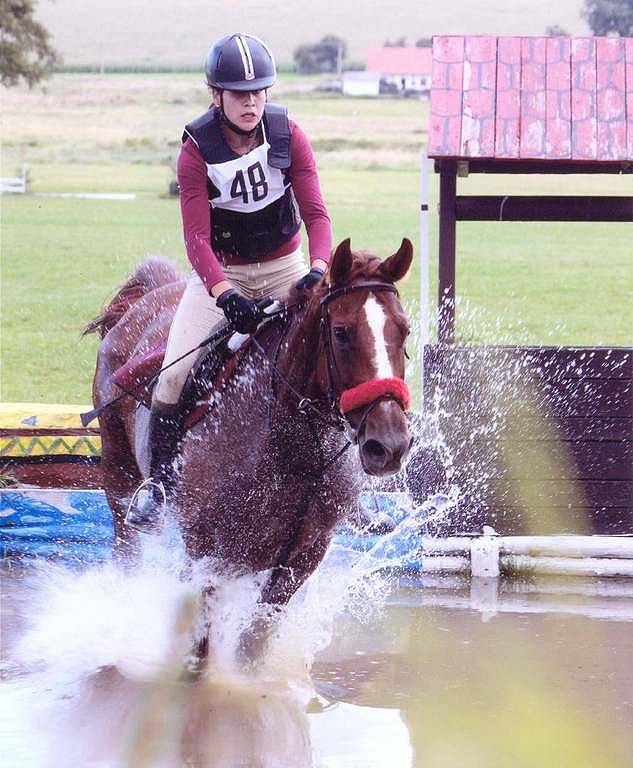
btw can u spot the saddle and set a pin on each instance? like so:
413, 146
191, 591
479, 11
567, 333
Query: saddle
216, 365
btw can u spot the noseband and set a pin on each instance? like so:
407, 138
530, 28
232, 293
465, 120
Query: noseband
369, 393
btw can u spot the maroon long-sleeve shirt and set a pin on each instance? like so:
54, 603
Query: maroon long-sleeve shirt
196, 221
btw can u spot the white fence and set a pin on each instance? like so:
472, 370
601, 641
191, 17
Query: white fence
490, 555
13, 185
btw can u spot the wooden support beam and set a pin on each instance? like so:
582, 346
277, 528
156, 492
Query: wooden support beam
448, 234
507, 166
543, 208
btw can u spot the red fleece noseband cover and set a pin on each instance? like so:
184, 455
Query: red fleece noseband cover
368, 391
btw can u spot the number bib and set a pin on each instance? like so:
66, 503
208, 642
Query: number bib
248, 183
252, 206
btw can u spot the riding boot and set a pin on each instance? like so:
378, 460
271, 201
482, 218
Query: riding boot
147, 508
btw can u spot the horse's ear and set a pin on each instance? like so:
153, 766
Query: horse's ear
396, 267
341, 263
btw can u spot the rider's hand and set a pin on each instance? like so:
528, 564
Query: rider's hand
308, 281
245, 314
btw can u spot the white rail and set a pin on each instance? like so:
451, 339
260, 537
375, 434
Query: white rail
489, 555
14, 185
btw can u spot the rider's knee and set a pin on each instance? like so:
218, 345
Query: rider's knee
170, 385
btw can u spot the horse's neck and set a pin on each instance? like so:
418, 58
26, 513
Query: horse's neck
298, 359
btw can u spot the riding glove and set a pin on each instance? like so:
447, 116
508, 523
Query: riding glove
245, 314
308, 281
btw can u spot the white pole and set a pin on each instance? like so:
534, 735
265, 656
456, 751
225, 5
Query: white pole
424, 264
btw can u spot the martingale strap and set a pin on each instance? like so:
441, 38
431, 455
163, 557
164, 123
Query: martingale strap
368, 391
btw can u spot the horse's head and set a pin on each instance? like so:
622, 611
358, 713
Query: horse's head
364, 328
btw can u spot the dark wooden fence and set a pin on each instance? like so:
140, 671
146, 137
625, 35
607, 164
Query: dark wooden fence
540, 440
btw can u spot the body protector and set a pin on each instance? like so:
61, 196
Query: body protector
254, 210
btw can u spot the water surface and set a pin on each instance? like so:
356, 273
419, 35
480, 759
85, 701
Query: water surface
377, 672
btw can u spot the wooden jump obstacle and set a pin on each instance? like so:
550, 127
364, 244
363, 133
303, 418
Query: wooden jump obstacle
46, 445
562, 461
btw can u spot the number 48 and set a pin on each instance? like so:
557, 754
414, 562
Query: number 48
257, 180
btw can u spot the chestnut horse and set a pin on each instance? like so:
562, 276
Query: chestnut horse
264, 476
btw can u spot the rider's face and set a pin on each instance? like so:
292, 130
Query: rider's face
243, 108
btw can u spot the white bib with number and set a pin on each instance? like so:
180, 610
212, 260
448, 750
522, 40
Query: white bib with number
247, 183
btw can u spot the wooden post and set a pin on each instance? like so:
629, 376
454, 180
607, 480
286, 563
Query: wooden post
425, 309
446, 285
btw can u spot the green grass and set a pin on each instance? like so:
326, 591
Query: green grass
62, 258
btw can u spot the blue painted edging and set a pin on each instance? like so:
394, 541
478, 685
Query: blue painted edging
66, 524
77, 526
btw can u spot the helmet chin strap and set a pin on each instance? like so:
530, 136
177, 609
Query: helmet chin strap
231, 125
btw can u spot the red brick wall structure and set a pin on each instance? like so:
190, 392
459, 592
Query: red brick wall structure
534, 105
532, 98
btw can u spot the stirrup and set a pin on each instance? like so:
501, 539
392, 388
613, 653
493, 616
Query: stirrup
144, 512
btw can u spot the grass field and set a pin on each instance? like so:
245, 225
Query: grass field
62, 257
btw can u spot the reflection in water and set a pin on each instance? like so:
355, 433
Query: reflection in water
96, 675
434, 677
212, 723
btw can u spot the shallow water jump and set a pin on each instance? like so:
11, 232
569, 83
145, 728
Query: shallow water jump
265, 475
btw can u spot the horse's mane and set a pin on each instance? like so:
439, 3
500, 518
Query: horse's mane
152, 273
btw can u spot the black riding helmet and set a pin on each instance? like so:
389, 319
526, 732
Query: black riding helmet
240, 62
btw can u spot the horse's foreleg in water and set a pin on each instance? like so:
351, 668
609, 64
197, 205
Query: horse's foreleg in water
284, 581
197, 661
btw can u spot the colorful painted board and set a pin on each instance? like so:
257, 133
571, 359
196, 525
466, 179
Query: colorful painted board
30, 430
532, 98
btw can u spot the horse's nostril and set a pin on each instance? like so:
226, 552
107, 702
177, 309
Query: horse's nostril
375, 450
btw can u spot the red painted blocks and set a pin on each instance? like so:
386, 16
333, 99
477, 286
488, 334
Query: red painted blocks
532, 98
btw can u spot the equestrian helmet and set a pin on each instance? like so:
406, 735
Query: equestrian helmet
240, 62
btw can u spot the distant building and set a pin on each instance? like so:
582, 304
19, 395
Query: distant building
404, 71
361, 84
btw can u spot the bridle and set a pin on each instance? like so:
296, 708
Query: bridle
336, 411
326, 332
367, 395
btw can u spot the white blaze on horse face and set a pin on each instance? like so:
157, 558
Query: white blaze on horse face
376, 320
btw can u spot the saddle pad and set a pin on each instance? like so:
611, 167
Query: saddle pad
141, 369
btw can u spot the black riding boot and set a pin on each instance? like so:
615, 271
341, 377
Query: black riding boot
147, 508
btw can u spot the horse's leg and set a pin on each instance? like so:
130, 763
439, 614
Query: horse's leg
121, 477
199, 656
284, 581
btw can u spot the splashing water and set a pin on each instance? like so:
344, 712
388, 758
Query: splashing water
89, 628
90, 634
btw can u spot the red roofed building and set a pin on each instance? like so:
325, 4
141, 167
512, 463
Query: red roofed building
396, 70
401, 70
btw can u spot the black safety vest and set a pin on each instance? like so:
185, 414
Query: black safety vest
253, 207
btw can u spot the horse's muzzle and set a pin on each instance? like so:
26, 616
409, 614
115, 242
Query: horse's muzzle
385, 439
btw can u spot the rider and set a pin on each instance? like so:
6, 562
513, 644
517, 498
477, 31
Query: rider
247, 177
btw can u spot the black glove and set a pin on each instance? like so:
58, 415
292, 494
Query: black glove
245, 314
307, 282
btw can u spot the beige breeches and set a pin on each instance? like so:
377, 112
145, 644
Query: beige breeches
197, 314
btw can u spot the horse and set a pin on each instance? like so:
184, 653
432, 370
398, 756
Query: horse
265, 474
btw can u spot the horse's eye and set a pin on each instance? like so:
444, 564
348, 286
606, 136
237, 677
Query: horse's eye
341, 334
